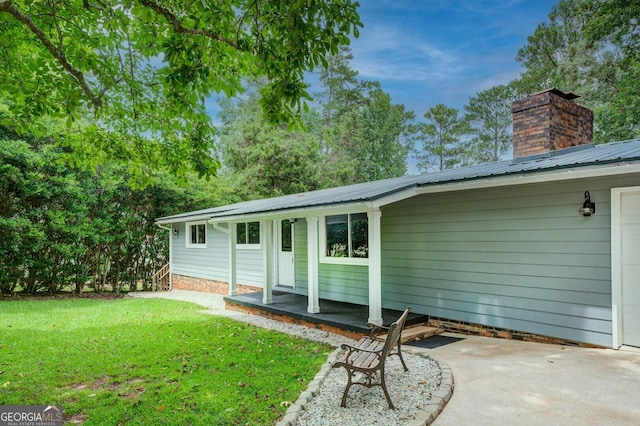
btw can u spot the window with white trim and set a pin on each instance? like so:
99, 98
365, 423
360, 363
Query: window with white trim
248, 235
346, 236
196, 234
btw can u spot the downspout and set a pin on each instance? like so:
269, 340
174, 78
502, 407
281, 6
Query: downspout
216, 225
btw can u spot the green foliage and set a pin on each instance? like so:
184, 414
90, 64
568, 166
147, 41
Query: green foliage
364, 136
489, 113
262, 159
442, 138
142, 362
591, 48
130, 78
64, 228
354, 134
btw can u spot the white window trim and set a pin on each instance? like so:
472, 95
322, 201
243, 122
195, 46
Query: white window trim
187, 237
360, 261
243, 246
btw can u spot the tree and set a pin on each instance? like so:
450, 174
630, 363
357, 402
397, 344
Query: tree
262, 159
130, 77
615, 24
61, 228
364, 136
442, 138
387, 136
557, 49
590, 47
489, 113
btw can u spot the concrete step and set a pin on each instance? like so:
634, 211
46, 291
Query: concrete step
415, 332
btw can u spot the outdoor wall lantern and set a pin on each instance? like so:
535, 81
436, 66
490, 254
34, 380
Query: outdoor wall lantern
588, 208
176, 232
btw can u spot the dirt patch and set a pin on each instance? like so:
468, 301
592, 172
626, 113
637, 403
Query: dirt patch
76, 419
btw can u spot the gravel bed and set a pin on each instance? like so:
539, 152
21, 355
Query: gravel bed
410, 392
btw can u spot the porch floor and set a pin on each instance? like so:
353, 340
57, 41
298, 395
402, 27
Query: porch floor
340, 315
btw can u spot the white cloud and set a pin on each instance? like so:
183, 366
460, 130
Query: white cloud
385, 52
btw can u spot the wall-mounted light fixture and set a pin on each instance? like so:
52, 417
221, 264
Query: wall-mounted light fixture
588, 208
176, 232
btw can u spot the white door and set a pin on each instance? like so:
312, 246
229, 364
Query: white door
286, 271
630, 267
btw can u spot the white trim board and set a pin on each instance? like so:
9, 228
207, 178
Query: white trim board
616, 259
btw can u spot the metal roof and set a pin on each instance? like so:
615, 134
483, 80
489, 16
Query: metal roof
576, 157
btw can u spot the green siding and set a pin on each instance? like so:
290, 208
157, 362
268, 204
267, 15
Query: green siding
519, 258
345, 283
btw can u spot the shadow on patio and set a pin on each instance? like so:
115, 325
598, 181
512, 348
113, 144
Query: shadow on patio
338, 317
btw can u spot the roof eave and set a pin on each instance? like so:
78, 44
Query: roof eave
542, 176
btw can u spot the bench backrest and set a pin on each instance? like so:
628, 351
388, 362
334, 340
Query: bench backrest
394, 334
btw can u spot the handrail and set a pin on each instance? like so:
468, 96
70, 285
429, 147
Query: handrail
160, 280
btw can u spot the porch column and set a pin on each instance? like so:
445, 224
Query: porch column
233, 240
375, 269
267, 260
313, 301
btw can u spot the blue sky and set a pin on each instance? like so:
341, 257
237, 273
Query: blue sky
426, 52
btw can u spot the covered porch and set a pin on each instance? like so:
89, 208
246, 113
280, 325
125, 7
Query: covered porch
338, 317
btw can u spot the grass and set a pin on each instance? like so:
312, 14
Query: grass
149, 361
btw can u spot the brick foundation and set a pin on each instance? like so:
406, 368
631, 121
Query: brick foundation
501, 333
183, 282
289, 320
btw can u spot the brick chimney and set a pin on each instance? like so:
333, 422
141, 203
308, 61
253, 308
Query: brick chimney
547, 121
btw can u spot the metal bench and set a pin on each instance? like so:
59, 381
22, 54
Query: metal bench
368, 356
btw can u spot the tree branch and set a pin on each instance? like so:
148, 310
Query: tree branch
177, 26
7, 7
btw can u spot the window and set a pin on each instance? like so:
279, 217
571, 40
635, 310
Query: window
347, 236
286, 243
197, 234
248, 234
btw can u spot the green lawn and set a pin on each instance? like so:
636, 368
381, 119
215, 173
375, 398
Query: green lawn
149, 361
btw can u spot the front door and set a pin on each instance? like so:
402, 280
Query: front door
286, 271
630, 267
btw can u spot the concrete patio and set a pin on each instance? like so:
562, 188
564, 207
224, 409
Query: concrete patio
507, 382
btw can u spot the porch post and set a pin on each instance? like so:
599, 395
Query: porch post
267, 260
233, 240
375, 269
313, 301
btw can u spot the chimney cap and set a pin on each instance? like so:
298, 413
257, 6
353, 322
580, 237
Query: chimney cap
567, 95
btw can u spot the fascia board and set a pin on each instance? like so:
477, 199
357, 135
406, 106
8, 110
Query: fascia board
524, 179
182, 219
358, 207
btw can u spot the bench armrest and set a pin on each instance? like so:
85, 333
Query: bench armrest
356, 349
375, 328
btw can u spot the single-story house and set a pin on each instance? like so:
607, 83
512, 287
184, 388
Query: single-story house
547, 243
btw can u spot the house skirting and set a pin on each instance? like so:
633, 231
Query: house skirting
482, 330
183, 282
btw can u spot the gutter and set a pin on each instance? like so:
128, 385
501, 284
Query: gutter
559, 174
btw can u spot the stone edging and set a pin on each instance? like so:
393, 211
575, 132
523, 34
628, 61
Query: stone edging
425, 417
